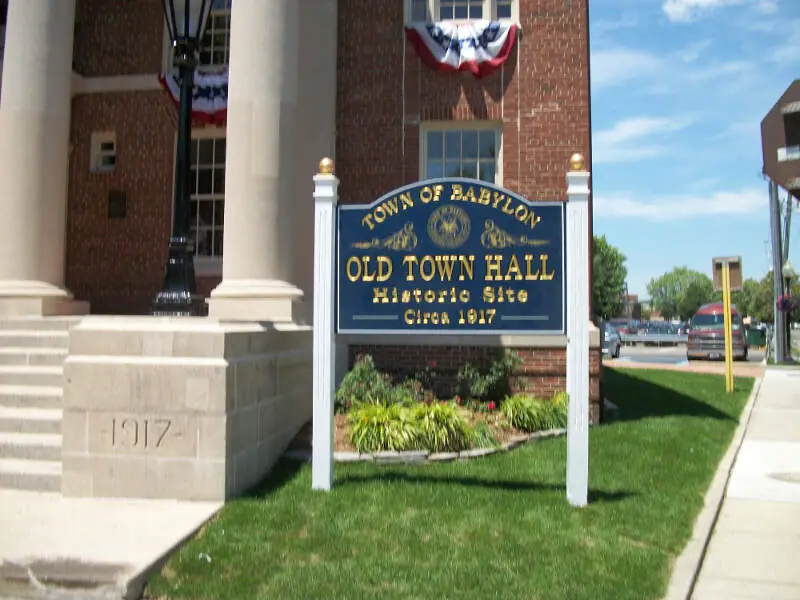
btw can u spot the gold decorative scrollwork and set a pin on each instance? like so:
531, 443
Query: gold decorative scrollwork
404, 239
494, 237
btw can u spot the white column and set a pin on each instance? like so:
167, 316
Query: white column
35, 108
578, 332
262, 100
326, 196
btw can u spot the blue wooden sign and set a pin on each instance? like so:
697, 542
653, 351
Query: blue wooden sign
451, 256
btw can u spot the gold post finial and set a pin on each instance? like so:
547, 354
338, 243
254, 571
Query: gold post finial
576, 162
326, 166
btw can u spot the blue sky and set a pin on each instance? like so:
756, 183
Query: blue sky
679, 89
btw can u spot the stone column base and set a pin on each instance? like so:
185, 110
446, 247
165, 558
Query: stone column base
37, 298
181, 408
255, 300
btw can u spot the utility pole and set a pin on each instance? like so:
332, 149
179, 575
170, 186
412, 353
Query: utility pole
787, 221
779, 332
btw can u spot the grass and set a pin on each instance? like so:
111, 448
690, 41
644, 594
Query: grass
494, 527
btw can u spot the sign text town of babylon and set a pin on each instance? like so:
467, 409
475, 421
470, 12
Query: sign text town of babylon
451, 255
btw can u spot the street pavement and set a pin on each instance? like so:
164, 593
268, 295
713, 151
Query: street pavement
754, 551
674, 358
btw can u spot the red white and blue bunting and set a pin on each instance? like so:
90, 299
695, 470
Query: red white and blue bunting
210, 101
479, 47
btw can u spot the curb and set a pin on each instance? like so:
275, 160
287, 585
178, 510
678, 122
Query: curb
423, 456
686, 569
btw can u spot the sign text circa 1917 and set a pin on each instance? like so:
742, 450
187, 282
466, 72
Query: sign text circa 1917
451, 256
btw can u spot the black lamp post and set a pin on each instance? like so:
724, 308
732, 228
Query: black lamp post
186, 23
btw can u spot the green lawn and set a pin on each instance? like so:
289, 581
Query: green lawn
496, 527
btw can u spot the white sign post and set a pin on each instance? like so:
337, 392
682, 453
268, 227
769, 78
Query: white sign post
578, 291
326, 195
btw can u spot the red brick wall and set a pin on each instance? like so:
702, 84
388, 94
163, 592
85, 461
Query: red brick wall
118, 38
543, 89
541, 96
543, 370
117, 264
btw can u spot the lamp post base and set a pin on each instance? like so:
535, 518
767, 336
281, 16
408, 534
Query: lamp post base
178, 296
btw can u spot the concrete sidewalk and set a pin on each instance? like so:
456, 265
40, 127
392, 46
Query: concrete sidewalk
103, 547
754, 551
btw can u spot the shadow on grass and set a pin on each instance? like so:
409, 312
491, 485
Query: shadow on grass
639, 398
514, 486
282, 474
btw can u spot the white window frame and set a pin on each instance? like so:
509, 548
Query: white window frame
207, 266
98, 153
166, 59
489, 11
445, 126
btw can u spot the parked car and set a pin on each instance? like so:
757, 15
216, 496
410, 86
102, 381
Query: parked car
612, 342
707, 334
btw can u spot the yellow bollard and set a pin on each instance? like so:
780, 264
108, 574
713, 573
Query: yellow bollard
726, 308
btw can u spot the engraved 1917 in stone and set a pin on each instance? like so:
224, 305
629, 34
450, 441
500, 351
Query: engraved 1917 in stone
129, 433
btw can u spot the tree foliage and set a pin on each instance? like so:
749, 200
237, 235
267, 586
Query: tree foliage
608, 278
680, 292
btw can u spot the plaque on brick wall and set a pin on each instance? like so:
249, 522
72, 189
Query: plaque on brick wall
117, 204
451, 256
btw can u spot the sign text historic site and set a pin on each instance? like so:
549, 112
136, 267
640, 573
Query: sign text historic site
451, 256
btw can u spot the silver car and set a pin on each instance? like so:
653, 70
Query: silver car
612, 342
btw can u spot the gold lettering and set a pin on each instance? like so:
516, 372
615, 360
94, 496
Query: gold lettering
430, 194
506, 207
470, 195
379, 214
529, 273
384, 268
530, 219
353, 261
380, 295
406, 200
391, 206
545, 275
498, 198
418, 317
408, 262
486, 197
522, 295
427, 268
366, 275
367, 220
445, 266
513, 269
458, 192
493, 264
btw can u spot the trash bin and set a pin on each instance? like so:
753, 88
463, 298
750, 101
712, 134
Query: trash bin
756, 338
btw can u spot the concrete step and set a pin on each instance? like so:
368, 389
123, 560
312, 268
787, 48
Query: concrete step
30, 396
29, 375
37, 475
30, 420
34, 339
30, 446
40, 323
38, 357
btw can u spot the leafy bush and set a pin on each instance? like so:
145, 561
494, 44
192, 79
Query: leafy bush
378, 427
482, 436
441, 427
491, 383
528, 413
363, 384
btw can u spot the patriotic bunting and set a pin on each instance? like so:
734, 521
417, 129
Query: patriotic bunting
479, 47
210, 100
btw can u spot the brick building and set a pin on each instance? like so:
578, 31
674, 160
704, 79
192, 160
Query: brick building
395, 119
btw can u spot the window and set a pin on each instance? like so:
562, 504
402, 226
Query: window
207, 191
215, 46
103, 152
469, 151
419, 11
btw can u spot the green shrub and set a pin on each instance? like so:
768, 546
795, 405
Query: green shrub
528, 413
363, 384
378, 427
491, 383
482, 436
441, 427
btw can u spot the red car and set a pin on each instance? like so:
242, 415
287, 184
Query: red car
707, 334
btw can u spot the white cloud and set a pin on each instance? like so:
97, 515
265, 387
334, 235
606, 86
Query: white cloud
686, 11
634, 139
605, 26
733, 203
620, 65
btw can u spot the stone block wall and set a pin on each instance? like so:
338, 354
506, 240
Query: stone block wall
179, 408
